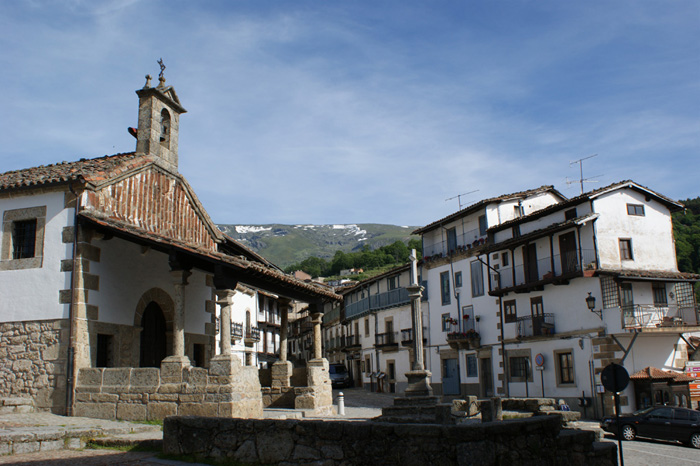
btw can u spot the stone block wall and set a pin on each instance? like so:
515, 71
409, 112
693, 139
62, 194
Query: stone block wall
153, 393
264, 441
33, 358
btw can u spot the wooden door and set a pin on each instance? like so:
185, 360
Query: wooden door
153, 343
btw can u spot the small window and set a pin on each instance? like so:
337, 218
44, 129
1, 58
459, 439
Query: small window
368, 365
519, 368
635, 209
659, 292
458, 279
626, 249
392, 283
23, 239
445, 288
165, 129
198, 355
366, 326
471, 366
565, 367
104, 350
517, 211
504, 259
569, 214
510, 312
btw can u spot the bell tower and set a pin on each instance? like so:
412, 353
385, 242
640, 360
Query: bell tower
159, 122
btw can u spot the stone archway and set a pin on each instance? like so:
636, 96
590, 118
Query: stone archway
155, 304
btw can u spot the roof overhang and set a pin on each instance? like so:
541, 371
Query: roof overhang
227, 269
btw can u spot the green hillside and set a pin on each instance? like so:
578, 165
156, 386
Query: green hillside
284, 245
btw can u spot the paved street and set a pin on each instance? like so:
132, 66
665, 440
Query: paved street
657, 453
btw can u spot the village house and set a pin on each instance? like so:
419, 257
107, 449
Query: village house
559, 292
118, 290
372, 335
457, 295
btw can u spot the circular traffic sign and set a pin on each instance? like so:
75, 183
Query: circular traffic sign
614, 378
539, 360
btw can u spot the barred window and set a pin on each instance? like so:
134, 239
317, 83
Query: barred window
684, 294
611, 297
659, 292
23, 239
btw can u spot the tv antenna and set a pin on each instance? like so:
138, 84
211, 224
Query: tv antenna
581, 179
459, 197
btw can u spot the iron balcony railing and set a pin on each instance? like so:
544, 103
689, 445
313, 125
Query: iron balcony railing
546, 268
530, 326
252, 334
463, 242
385, 339
646, 316
236, 330
375, 302
349, 340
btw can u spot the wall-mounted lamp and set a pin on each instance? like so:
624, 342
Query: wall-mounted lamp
477, 318
590, 302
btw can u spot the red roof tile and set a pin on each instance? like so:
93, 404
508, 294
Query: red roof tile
652, 373
88, 170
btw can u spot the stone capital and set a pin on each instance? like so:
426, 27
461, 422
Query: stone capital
180, 276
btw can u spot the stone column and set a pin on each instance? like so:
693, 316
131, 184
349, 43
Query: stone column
224, 298
418, 377
282, 369
171, 367
180, 279
317, 320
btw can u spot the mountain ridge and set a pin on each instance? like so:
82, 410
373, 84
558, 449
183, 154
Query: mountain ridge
284, 244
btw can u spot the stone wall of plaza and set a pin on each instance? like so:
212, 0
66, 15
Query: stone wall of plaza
33, 362
225, 389
538, 440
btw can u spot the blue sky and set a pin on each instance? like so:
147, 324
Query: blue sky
364, 111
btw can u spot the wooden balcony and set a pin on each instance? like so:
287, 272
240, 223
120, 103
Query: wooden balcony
464, 340
407, 336
252, 336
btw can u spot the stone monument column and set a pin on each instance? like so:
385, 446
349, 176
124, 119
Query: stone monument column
319, 394
282, 369
418, 377
225, 300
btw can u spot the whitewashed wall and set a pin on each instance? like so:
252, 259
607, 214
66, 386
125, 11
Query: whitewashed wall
32, 294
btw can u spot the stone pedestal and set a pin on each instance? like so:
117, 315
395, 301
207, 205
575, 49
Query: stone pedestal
244, 399
281, 372
418, 384
171, 368
318, 395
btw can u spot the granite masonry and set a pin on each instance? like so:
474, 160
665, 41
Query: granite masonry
534, 441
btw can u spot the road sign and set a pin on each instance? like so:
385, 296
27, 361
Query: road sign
615, 378
539, 360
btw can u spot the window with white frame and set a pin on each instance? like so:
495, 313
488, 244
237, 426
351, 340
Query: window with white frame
564, 366
635, 209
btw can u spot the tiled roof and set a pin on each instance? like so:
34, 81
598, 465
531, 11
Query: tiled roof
652, 373
393, 271
651, 274
238, 262
87, 170
673, 205
474, 207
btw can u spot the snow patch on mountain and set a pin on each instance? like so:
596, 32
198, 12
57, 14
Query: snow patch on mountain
243, 229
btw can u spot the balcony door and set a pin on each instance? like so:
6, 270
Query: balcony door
567, 251
627, 302
537, 311
530, 261
451, 240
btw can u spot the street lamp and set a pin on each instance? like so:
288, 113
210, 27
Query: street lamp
590, 302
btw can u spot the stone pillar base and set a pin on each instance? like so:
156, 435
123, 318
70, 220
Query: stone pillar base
240, 383
171, 368
281, 373
318, 395
418, 384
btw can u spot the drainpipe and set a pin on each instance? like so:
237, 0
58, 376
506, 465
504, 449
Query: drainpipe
70, 362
